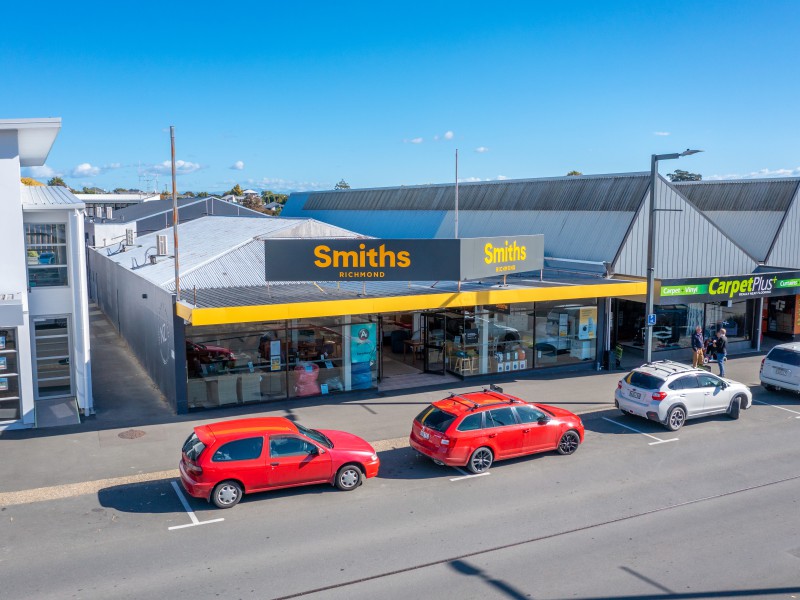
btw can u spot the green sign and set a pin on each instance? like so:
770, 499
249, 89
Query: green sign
729, 288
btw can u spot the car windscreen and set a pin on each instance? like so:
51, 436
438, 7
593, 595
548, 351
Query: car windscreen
782, 355
315, 435
436, 419
644, 380
193, 447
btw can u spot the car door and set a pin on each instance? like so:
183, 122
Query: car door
503, 431
294, 460
716, 397
241, 459
539, 431
686, 390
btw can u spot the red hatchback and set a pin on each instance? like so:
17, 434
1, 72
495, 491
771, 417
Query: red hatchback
477, 428
222, 461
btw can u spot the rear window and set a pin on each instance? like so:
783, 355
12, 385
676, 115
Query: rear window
782, 355
193, 447
436, 419
644, 380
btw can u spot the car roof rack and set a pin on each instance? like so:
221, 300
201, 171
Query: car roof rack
497, 391
669, 366
461, 400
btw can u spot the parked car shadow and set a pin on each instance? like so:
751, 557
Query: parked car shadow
406, 463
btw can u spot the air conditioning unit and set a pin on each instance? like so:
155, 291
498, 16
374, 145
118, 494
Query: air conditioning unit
161, 245
130, 237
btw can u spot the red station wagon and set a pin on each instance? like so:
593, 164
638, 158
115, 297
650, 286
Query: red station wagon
222, 461
477, 428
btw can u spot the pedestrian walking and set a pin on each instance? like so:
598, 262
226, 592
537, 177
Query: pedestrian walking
698, 343
722, 350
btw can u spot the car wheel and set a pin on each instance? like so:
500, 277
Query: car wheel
348, 478
480, 460
736, 405
569, 442
676, 418
226, 494
769, 387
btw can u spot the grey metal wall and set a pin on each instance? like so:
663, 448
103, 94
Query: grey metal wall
195, 211
144, 315
687, 243
786, 248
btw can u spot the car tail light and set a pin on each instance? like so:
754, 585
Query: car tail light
761, 370
193, 468
619, 385
659, 396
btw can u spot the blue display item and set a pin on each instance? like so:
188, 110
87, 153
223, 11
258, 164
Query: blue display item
360, 376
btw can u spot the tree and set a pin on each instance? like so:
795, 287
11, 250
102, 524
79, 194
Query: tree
202, 195
268, 196
253, 202
574, 173
30, 181
188, 194
679, 175
57, 181
342, 185
236, 191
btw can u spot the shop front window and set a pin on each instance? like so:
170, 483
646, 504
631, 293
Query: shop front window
565, 332
9, 375
46, 246
734, 319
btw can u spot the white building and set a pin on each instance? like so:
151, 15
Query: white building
103, 206
45, 368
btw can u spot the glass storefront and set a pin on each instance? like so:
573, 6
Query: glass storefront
676, 323
9, 375
240, 364
518, 337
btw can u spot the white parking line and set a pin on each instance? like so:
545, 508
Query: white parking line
467, 475
188, 509
658, 440
778, 407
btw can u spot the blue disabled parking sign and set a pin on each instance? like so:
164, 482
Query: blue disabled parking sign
651, 320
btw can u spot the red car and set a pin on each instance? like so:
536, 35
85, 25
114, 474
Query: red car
207, 353
477, 428
222, 461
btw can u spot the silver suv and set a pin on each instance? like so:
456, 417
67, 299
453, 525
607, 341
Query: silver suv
780, 369
671, 392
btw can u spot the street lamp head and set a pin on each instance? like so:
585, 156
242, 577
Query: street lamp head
688, 152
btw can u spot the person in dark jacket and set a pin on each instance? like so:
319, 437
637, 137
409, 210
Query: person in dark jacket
722, 350
698, 344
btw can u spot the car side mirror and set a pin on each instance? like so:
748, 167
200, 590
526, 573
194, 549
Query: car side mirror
544, 420
317, 450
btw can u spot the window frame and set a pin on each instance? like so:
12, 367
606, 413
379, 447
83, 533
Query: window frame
307, 442
56, 231
238, 441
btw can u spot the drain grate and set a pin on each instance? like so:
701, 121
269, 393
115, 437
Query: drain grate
131, 434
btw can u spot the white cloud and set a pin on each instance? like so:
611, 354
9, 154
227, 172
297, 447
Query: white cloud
481, 149
662, 133
448, 135
237, 166
42, 172
182, 167
282, 186
112, 166
85, 170
763, 173
416, 140
478, 179
501, 178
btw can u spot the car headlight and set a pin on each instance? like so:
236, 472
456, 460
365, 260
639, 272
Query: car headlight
374, 457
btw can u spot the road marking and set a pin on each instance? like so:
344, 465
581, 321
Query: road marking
778, 407
468, 475
188, 509
658, 440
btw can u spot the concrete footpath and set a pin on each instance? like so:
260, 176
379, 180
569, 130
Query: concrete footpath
135, 436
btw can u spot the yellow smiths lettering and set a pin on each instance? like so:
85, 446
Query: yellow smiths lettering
374, 258
498, 255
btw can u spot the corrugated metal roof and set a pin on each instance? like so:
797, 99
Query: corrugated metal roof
46, 196
307, 292
137, 212
206, 241
785, 251
583, 193
740, 194
754, 231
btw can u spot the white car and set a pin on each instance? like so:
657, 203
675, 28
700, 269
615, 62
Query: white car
671, 392
780, 369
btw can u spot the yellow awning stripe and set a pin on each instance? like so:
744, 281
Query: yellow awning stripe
377, 304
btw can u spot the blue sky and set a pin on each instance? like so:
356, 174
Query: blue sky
298, 95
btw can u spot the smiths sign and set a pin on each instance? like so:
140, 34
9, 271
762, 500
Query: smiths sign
401, 260
493, 256
361, 260
730, 288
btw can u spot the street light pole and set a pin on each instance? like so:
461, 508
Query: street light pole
651, 245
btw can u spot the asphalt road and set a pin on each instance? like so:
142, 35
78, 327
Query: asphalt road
713, 514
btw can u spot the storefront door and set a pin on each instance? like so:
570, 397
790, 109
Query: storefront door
433, 336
